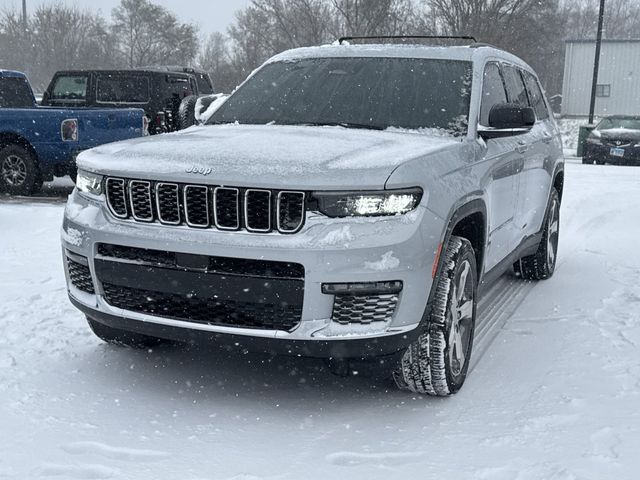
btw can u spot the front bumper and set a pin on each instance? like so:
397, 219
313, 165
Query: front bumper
351, 250
602, 153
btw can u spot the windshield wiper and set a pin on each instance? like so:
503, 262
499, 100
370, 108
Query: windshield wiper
342, 124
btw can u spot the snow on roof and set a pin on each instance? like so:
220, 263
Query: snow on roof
12, 73
467, 53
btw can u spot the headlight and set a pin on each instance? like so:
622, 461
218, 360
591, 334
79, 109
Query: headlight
88, 182
349, 204
594, 140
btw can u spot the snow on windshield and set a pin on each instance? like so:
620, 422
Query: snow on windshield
368, 92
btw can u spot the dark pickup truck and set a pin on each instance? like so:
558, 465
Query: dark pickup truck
160, 91
38, 143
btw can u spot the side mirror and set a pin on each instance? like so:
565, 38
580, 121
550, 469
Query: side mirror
207, 105
508, 119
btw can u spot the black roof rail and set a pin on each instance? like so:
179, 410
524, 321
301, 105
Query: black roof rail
341, 40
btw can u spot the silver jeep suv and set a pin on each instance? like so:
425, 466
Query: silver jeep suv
349, 202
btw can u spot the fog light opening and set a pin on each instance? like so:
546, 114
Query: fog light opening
366, 288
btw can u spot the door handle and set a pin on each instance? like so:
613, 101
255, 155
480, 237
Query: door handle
547, 138
522, 147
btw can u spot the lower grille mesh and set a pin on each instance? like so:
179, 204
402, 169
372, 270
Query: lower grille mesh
204, 310
364, 308
80, 276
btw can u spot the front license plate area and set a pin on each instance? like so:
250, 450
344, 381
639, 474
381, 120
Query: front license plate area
617, 152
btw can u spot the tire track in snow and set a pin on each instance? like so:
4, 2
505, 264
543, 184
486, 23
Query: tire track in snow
495, 307
386, 459
116, 453
81, 471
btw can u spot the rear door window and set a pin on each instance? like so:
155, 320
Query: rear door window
535, 96
493, 92
70, 88
15, 92
515, 86
122, 89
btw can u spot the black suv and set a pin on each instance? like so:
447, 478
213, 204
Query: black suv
157, 90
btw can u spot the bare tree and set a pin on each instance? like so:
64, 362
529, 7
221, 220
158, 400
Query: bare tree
215, 58
149, 34
374, 17
57, 37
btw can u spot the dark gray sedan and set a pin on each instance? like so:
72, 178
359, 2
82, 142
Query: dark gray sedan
616, 140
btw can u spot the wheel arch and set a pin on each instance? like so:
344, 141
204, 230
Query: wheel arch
558, 181
11, 138
466, 220
470, 221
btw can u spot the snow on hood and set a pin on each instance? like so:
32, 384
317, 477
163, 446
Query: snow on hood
270, 156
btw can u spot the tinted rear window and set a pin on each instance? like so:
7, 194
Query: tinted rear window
122, 89
15, 93
72, 88
368, 92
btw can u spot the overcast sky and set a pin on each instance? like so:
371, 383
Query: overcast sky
209, 15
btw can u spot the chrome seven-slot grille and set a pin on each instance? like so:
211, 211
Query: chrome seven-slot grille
201, 206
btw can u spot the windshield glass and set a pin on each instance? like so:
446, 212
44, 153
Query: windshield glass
359, 92
628, 123
15, 93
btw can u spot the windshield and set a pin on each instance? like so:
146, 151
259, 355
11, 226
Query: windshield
15, 93
628, 123
372, 93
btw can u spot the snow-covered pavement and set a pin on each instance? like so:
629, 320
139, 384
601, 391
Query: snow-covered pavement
555, 396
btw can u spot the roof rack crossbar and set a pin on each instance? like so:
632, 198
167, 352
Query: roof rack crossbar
341, 40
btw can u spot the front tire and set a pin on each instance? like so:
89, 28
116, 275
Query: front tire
438, 361
19, 171
542, 264
122, 338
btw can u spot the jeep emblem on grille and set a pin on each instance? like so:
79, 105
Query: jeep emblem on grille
200, 170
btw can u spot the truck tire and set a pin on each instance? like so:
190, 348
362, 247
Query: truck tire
122, 338
542, 264
187, 112
438, 361
19, 171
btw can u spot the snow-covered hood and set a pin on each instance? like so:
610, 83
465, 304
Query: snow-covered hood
270, 156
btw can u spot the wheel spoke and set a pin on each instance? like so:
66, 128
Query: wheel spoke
462, 282
459, 352
465, 310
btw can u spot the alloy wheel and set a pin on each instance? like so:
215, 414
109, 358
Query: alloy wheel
461, 312
14, 170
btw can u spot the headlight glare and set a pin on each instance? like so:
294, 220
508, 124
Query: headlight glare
87, 182
349, 204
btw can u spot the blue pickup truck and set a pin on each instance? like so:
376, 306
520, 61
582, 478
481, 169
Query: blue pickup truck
38, 143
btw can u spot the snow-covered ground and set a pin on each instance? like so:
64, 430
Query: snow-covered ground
555, 396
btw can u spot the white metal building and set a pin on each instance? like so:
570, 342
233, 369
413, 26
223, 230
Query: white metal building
618, 90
